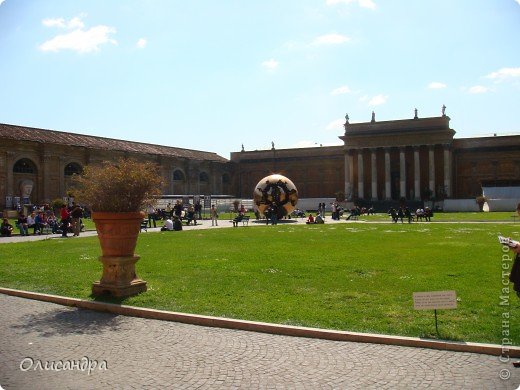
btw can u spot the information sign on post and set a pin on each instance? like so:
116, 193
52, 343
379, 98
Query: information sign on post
207, 201
432, 300
435, 300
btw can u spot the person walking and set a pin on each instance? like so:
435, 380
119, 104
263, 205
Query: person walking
151, 216
76, 213
65, 219
214, 216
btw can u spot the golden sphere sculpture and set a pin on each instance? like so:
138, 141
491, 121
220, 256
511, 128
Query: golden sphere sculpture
275, 193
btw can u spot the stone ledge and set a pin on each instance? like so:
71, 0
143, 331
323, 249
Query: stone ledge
287, 330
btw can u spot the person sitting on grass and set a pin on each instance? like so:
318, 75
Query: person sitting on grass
310, 220
6, 228
177, 223
168, 226
319, 218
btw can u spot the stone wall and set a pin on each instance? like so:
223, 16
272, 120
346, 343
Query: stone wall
50, 182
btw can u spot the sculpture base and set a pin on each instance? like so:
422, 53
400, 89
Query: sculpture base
119, 278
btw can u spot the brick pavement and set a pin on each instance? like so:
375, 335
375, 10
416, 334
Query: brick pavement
141, 353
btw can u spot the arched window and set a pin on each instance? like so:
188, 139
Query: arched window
178, 175
203, 177
73, 169
24, 166
226, 179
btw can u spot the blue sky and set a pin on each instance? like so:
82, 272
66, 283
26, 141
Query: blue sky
213, 75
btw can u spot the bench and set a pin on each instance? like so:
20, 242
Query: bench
144, 225
188, 221
46, 229
244, 220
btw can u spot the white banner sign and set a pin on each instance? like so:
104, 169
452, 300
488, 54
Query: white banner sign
434, 300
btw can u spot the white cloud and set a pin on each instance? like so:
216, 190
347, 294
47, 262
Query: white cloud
1, 1
375, 100
518, 1
436, 85
58, 22
504, 74
336, 124
74, 23
330, 39
80, 40
271, 64
141, 43
362, 3
478, 89
341, 90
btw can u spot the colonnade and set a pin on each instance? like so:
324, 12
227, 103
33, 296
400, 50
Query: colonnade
361, 171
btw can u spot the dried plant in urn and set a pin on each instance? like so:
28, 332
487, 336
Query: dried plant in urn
122, 186
117, 192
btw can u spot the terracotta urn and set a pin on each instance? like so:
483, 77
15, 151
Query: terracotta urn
117, 233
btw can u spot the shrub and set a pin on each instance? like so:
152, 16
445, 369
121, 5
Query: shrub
57, 203
123, 186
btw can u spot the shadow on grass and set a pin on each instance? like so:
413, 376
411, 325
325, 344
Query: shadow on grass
69, 321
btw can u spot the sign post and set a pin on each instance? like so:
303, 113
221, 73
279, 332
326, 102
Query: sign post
435, 300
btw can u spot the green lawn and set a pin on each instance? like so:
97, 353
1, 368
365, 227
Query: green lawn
357, 277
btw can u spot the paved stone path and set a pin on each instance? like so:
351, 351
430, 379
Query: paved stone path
142, 354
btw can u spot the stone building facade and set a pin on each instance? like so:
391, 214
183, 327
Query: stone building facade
41, 163
378, 161
316, 172
388, 160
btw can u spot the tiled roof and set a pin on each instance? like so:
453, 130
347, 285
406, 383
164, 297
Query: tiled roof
88, 141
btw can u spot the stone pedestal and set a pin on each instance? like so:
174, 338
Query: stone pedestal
119, 278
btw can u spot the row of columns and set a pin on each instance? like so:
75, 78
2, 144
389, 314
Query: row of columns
402, 172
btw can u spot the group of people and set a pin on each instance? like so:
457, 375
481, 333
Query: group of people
404, 212
191, 213
172, 224
41, 220
173, 216
311, 219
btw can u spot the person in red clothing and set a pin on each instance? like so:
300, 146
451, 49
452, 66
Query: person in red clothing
65, 220
310, 219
